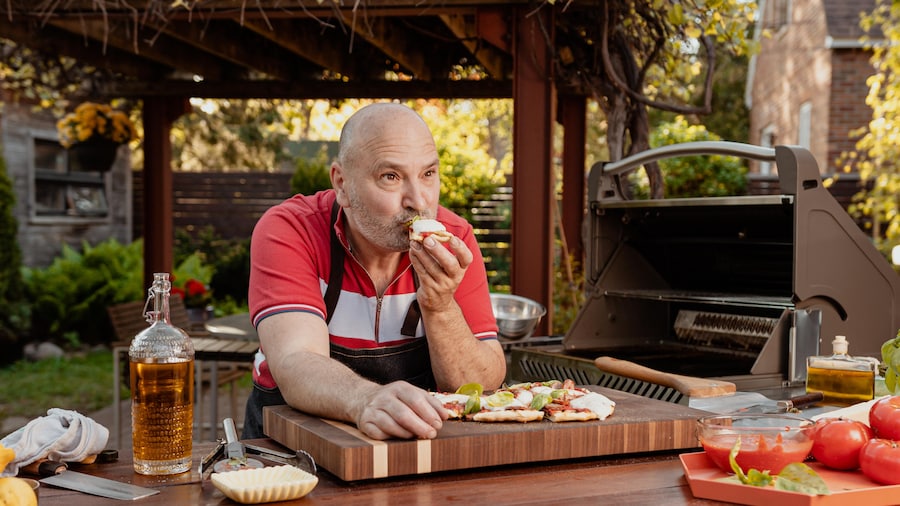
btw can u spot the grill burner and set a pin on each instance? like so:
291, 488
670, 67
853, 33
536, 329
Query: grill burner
739, 288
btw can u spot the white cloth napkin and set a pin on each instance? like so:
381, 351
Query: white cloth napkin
63, 435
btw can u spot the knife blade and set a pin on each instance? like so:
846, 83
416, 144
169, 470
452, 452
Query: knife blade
775, 407
61, 476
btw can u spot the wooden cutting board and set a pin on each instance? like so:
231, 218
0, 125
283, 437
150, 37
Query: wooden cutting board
639, 424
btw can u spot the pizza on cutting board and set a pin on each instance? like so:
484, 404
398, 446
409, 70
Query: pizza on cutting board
557, 401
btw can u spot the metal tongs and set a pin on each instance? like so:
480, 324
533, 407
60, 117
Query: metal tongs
231, 455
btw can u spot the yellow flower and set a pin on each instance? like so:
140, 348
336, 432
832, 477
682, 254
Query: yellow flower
91, 120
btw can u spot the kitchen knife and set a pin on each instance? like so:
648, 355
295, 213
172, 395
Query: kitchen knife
774, 407
707, 394
58, 475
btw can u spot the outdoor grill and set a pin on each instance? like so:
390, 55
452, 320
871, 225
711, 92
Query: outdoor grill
737, 288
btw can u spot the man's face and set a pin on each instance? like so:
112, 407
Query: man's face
394, 177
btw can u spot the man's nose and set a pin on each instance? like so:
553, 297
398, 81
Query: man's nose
415, 196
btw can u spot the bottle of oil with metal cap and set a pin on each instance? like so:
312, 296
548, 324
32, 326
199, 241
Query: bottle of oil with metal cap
161, 359
842, 379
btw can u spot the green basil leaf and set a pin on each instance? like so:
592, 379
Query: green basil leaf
540, 400
799, 477
473, 404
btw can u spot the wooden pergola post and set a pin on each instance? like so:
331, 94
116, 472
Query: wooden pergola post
159, 234
533, 182
572, 115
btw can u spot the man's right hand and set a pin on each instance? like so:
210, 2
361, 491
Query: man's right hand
400, 410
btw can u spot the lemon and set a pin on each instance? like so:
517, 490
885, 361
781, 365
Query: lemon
16, 492
6, 456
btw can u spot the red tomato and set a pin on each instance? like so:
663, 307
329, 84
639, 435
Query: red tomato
837, 442
884, 418
879, 460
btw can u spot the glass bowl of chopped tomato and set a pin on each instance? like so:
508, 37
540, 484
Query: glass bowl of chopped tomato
766, 442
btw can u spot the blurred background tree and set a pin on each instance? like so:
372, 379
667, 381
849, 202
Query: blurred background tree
878, 149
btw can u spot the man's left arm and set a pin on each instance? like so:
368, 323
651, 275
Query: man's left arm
457, 356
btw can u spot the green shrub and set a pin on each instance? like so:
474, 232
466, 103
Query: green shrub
13, 308
312, 174
69, 298
228, 261
232, 278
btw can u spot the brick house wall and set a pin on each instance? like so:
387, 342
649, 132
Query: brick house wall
850, 70
814, 57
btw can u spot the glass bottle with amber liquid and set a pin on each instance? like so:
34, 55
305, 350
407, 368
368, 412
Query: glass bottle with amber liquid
161, 360
842, 379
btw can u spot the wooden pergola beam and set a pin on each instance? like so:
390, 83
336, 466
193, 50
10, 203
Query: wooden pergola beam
318, 89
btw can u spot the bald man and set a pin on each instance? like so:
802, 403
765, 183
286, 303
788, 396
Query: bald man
356, 321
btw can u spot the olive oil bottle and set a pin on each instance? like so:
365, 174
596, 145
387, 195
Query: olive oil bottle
841, 378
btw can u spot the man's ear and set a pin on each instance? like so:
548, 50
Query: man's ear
337, 182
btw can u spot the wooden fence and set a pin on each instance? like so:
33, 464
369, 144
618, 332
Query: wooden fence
231, 202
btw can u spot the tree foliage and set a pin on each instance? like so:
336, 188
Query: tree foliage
13, 310
878, 149
233, 135
694, 176
632, 55
49, 81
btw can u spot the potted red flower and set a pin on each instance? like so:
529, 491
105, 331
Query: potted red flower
197, 299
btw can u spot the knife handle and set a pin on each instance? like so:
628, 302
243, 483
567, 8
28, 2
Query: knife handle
688, 385
45, 468
804, 400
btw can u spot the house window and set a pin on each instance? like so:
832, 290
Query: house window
60, 192
804, 124
766, 139
777, 14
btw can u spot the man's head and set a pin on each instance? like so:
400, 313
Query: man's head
386, 173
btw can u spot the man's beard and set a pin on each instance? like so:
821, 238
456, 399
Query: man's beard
393, 236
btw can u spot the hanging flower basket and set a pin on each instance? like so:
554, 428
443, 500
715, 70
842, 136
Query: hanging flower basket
93, 133
93, 155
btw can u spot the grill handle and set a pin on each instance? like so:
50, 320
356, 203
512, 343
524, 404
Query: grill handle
729, 148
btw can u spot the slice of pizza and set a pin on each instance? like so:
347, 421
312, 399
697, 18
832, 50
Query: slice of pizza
505, 406
500, 406
562, 401
455, 404
588, 406
420, 228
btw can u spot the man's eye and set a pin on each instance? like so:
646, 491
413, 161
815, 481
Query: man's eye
389, 177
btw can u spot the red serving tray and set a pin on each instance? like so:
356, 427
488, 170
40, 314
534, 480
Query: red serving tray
847, 487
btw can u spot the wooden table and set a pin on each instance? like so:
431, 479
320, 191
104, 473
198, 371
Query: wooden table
232, 339
621, 480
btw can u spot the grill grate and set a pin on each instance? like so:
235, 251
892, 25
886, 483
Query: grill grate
534, 370
586, 373
722, 330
